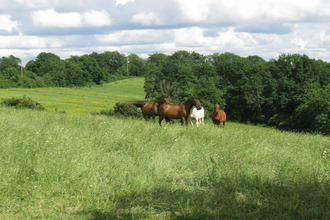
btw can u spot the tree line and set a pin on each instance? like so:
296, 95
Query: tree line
291, 92
48, 70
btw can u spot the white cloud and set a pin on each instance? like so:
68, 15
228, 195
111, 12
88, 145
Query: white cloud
51, 18
123, 2
224, 11
96, 18
137, 37
7, 24
41, 4
27, 42
263, 27
146, 19
195, 10
3, 4
191, 37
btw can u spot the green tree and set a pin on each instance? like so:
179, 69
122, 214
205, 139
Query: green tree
31, 80
10, 78
10, 61
313, 114
48, 63
31, 66
92, 72
232, 70
153, 79
253, 91
75, 75
110, 62
158, 59
136, 65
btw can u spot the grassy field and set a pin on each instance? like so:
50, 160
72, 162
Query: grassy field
84, 166
78, 166
85, 100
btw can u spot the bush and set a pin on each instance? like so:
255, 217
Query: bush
125, 110
23, 102
122, 110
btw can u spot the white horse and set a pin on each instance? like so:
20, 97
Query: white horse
198, 115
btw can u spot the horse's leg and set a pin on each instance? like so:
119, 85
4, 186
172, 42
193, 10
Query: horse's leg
224, 123
182, 120
186, 120
160, 119
168, 120
197, 122
192, 124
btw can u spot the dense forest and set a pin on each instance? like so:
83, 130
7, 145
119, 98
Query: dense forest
291, 92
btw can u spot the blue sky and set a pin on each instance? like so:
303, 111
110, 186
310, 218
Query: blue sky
266, 28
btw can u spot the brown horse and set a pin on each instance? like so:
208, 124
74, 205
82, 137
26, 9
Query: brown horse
218, 116
170, 111
150, 109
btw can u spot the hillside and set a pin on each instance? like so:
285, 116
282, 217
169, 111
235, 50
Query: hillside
83, 99
75, 166
84, 166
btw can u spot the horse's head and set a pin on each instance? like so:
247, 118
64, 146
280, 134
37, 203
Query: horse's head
163, 100
216, 106
197, 103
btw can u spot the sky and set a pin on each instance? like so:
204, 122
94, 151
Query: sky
266, 28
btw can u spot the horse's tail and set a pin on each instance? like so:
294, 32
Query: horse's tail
136, 104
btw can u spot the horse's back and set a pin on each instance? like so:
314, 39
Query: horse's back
147, 108
170, 110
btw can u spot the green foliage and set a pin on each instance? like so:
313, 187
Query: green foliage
8, 62
22, 102
313, 114
121, 110
125, 110
136, 65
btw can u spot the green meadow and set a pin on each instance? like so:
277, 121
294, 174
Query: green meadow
86, 99
84, 166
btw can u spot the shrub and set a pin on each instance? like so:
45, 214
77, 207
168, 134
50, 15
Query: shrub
122, 110
23, 102
125, 110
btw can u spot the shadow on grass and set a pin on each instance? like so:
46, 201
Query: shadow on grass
227, 198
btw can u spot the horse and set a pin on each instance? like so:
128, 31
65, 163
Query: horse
218, 116
150, 109
198, 115
170, 111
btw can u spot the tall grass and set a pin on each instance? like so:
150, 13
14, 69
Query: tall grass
85, 99
67, 166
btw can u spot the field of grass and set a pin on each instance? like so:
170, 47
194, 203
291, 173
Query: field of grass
84, 166
85, 100
80, 166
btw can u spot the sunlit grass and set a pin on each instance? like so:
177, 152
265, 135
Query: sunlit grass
86, 99
74, 166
